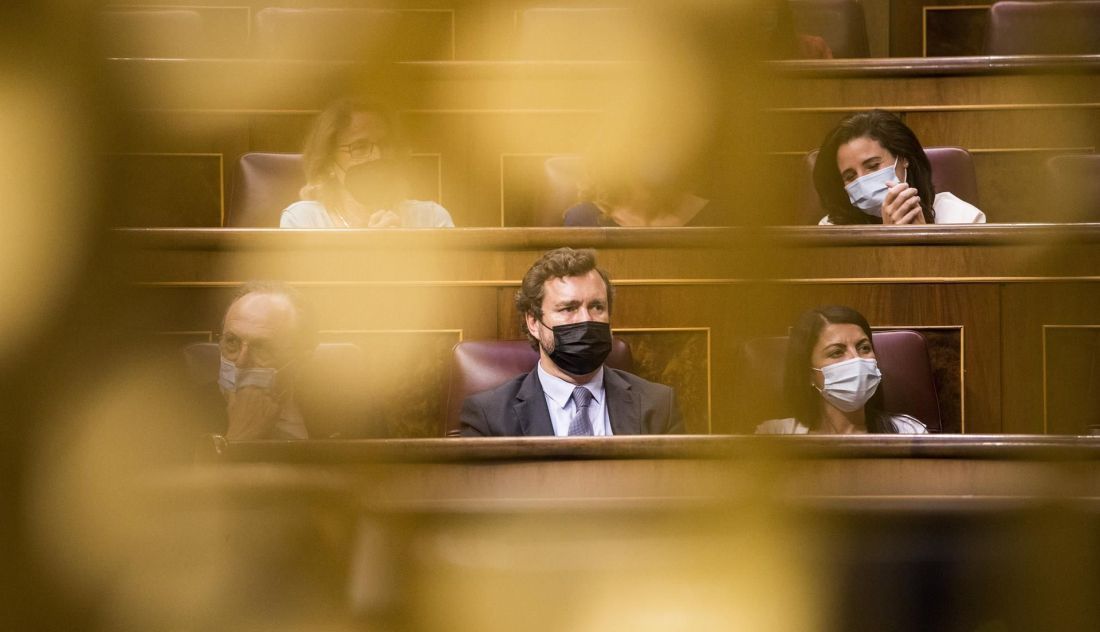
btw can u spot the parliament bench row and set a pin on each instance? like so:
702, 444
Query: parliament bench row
265, 184
338, 404
1010, 311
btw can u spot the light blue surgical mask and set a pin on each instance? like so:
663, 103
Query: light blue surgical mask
848, 385
231, 378
868, 192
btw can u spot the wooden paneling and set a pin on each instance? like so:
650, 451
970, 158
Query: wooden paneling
168, 189
907, 19
1026, 310
955, 31
1071, 371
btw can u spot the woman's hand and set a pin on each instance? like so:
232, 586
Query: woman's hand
384, 219
902, 205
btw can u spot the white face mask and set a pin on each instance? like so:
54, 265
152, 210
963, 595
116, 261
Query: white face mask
867, 193
849, 384
231, 378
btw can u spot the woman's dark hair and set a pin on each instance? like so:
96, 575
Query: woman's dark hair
798, 389
896, 137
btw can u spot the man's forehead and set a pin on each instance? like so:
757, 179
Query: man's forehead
262, 314
587, 287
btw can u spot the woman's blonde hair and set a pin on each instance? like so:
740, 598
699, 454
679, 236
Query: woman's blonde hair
319, 151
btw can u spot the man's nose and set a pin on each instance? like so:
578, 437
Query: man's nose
244, 356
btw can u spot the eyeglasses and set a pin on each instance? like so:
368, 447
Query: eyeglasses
362, 149
263, 353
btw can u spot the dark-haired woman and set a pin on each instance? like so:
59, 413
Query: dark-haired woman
832, 379
871, 169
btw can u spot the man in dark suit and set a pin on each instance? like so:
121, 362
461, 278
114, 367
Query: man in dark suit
565, 304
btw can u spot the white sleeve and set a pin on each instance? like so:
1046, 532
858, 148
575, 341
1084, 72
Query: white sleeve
305, 214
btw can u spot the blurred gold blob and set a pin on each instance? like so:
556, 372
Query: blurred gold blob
588, 571
44, 175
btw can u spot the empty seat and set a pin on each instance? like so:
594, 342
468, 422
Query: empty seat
151, 33
839, 22
263, 186
1044, 28
562, 176
479, 365
952, 171
1075, 187
344, 34
902, 357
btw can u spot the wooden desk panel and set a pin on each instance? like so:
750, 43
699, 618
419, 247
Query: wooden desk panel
533, 470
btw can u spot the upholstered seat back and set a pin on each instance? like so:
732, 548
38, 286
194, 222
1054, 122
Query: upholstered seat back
952, 171
1044, 28
562, 176
479, 365
907, 378
263, 186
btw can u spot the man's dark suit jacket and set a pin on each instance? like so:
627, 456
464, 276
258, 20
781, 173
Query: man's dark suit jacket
517, 408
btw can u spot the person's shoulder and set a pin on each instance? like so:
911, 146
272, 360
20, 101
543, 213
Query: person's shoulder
506, 389
636, 381
425, 214
305, 214
950, 209
788, 425
583, 214
905, 424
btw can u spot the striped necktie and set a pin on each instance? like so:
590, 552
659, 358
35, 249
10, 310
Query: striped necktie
581, 426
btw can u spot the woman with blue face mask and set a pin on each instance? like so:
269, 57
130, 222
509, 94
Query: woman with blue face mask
871, 169
832, 379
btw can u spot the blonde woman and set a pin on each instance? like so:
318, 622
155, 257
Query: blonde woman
342, 182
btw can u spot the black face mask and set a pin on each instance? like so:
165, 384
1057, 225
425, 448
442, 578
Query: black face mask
580, 348
376, 184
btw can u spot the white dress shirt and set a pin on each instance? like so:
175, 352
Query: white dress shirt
559, 401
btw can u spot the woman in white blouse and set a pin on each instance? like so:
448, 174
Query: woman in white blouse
832, 379
871, 169
345, 139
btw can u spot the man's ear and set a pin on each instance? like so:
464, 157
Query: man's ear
532, 324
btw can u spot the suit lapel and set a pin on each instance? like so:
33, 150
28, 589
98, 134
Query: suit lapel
622, 406
529, 407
